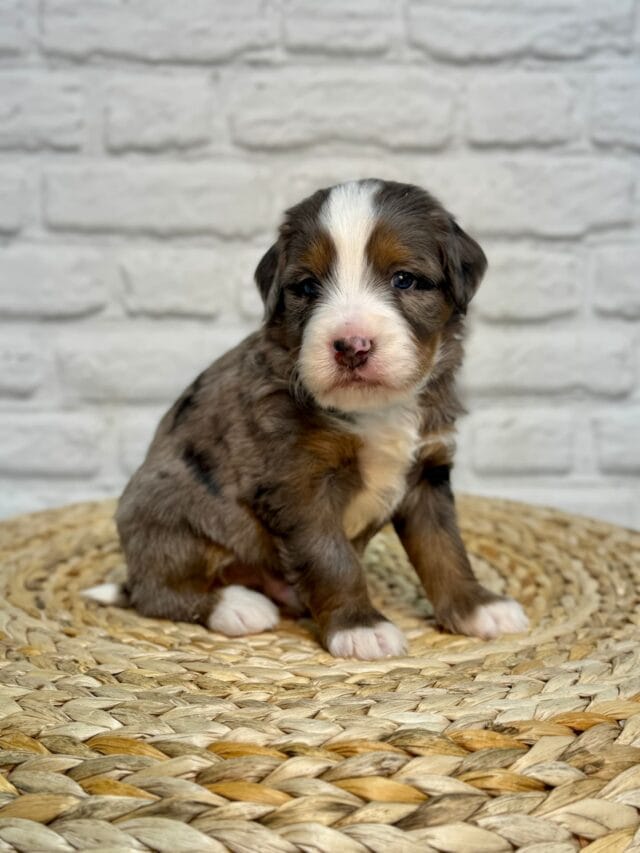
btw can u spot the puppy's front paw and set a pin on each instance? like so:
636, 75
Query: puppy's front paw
379, 641
241, 611
503, 616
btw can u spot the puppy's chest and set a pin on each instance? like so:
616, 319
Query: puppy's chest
389, 446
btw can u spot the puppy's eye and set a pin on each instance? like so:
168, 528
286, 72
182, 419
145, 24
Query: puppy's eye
404, 280
308, 287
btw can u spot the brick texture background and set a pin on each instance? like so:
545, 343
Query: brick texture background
148, 146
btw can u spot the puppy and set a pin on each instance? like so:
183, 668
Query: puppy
270, 474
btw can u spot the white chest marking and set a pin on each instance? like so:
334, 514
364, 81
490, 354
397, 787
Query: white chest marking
390, 443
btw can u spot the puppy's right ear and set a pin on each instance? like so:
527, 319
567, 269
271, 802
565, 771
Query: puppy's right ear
266, 276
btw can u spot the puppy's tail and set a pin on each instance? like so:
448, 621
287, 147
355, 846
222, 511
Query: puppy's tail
108, 593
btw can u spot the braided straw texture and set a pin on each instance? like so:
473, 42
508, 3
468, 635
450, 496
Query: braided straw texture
124, 733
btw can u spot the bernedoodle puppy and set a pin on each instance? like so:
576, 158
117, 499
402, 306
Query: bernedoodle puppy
270, 474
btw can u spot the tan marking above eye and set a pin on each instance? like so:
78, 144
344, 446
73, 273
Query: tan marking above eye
319, 255
386, 251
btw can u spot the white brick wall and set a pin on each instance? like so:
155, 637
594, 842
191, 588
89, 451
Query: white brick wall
147, 148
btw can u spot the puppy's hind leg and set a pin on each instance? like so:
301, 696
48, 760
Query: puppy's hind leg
174, 574
107, 593
169, 571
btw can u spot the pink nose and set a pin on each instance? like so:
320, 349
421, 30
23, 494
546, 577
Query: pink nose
352, 352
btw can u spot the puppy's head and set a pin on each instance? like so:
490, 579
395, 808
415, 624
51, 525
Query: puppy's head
362, 286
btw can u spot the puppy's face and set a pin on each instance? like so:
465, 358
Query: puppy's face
361, 285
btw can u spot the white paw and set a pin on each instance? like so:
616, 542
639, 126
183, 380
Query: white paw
381, 641
107, 593
497, 617
241, 611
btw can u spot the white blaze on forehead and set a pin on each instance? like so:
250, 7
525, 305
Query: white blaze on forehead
354, 303
349, 216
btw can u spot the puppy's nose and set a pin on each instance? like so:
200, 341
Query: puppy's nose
352, 352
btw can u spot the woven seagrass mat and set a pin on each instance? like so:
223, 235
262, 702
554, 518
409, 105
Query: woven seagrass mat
124, 733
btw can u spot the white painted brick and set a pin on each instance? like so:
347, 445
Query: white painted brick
505, 361
334, 26
576, 28
250, 303
607, 363
51, 282
615, 117
150, 113
156, 30
618, 441
521, 108
527, 284
538, 196
12, 36
12, 206
617, 281
531, 441
135, 434
230, 199
138, 364
51, 444
464, 30
40, 110
21, 363
358, 105
187, 282
307, 174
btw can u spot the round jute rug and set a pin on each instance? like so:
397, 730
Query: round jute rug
124, 733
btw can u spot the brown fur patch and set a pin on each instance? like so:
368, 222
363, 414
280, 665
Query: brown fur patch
329, 450
437, 455
328, 463
427, 351
319, 256
386, 251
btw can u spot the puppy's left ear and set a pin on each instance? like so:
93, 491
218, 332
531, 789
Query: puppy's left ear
465, 265
266, 276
